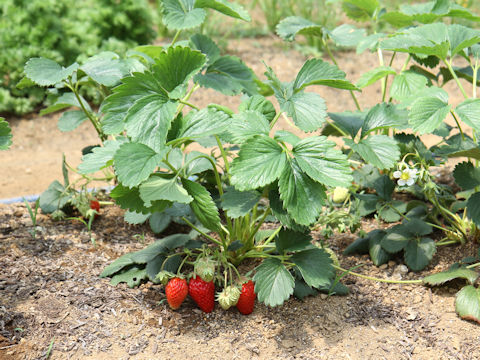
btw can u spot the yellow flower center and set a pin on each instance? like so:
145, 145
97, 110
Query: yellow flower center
405, 176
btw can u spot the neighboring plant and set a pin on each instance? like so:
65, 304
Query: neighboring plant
63, 30
33, 216
5, 135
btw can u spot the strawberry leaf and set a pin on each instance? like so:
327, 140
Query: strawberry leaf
5, 134
273, 282
467, 303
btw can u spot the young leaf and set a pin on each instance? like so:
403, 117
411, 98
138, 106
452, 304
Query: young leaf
419, 253
227, 8
290, 241
473, 208
469, 112
315, 265
45, 72
162, 188
70, 120
203, 123
296, 190
273, 282
318, 157
5, 134
182, 14
203, 205
384, 116
286, 136
239, 203
466, 175
360, 10
291, 26
374, 75
378, 150
134, 163
467, 303
260, 162
451, 274
319, 72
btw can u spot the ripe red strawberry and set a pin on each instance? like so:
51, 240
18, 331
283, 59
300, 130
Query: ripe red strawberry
203, 293
176, 291
95, 205
246, 301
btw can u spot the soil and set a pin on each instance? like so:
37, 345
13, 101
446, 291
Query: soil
51, 293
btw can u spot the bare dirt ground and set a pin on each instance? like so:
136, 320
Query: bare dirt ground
50, 291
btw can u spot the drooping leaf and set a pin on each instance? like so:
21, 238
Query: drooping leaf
291, 26
203, 205
384, 116
225, 7
45, 72
318, 157
5, 134
260, 162
296, 190
374, 75
378, 150
419, 253
451, 274
117, 265
315, 265
134, 163
427, 114
163, 188
290, 241
319, 72
182, 14
467, 303
239, 203
273, 282
466, 175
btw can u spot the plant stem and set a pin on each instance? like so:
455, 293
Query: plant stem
449, 66
474, 82
175, 37
275, 119
405, 64
215, 241
458, 125
224, 156
419, 281
189, 104
473, 265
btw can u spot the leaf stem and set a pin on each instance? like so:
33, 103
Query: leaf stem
177, 34
419, 281
215, 241
449, 66
458, 125
275, 119
224, 157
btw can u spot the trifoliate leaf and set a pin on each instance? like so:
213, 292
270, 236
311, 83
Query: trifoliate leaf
239, 203
318, 157
374, 75
45, 72
134, 163
203, 205
315, 265
467, 303
419, 253
378, 150
5, 134
182, 14
296, 190
291, 26
260, 162
451, 274
273, 282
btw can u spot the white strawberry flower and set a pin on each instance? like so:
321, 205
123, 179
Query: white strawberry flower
406, 176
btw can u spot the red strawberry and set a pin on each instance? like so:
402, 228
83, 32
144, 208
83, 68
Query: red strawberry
95, 205
203, 293
176, 291
247, 298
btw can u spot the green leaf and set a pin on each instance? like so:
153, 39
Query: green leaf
350, 122
64, 101
467, 303
130, 199
419, 253
273, 282
70, 120
135, 218
315, 265
457, 146
159, 221
374, 75
384, 116
227, 8
203, 123
100, 157
291, 26
45, 72
260, 104
378, 150
239, 203
246, 125
296, 190
162, 188
461, 37
427, 114
318, 157
160, 246
391, 213
451, 274
207, 46
319, 72
469, 112
203, 205
106, 69
25, 83
466, 175
359, 246
302, 290
347, 35
182, 14
290, 241
5, 134
198, 165
378, 255
55, 197
260, 162
417, 227
473, 208
384, 187
134, 163
286, 136
396, 239
117, 265
133, 277
367, 204
281, 214
370, 42
175, 67
406, 84
360, 10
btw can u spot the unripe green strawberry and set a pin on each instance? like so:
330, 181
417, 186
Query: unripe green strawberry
340, 194
176, 291
205, 268
163, 277
246, 301
203, 293
228, 297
